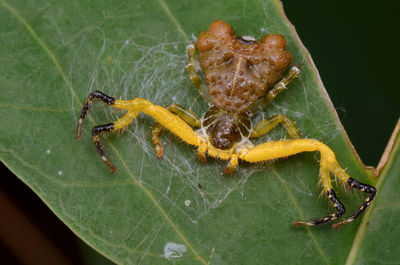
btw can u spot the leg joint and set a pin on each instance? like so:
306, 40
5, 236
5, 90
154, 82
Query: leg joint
363, 187
103, 97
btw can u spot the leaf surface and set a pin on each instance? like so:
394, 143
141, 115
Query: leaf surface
175, 210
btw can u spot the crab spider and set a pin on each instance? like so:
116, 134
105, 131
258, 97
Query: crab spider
242, 76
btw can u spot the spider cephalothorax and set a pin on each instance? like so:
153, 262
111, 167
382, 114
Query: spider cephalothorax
242, 77
225, 129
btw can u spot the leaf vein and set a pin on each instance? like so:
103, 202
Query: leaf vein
43, 45
174, 20
301, 215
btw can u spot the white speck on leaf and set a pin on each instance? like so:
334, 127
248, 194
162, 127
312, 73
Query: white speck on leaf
48, 151
60, 172
173, 250
188, 202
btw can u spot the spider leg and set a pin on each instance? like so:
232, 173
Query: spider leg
371, 191
188, 116
277, 88
86, 106
233, 162
201, 153
262, 128
326, 182
192, 71
96, 131
167, 119
265, 126
284, 148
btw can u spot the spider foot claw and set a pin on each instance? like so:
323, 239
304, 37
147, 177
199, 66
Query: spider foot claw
229, 171
202, 158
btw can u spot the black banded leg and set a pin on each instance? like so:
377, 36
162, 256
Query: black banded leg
340, 209
85, 108
96, 140
364, 188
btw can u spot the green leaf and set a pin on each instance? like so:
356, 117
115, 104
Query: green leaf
378, 236
175, 210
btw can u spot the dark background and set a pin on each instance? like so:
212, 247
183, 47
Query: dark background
354, 45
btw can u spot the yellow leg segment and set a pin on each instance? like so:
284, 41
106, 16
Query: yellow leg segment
202, 152
277, 88
192, 71
124, 121
168, 120
265, 126
191, 67
233, 162
283, 148
188, 116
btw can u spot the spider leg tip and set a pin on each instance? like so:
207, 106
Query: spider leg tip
79, 132
113, 168
337, 226
229, 171
109, 164
300, 223
159, 151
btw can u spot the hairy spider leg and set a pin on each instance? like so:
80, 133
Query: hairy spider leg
187, 115
277, 88
192, 71
201, 153
284, 148
262, 128
265, 126
96, 131
326, 182
371, 191
167, 119
233, 162
110, 127
86, 106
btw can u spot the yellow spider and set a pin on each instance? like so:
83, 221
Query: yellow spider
242, 76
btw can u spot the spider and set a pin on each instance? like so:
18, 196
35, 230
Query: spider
242, 76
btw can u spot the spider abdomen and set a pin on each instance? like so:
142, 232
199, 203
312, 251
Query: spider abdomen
237, 71
225, 129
